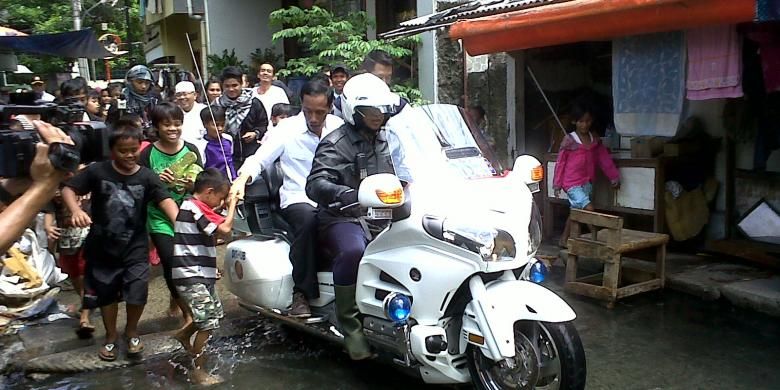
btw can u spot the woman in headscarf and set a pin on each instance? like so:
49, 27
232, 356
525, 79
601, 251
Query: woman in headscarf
245, 117
137, 97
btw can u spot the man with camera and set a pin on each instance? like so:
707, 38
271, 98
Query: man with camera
23, 198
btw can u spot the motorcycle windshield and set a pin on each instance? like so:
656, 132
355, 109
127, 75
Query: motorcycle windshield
447, 183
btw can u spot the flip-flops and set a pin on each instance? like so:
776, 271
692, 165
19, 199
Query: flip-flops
106, 352
85, 330
134, 346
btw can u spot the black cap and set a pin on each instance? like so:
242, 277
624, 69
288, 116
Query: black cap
339, 67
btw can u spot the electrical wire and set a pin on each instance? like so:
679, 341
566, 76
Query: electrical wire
211, 112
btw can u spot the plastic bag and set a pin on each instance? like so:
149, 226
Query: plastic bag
43, 261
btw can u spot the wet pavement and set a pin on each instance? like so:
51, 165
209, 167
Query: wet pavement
654, 341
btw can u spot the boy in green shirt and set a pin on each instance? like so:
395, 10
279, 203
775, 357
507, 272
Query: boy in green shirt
177, 163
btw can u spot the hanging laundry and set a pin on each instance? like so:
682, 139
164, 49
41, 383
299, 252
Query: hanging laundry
767, 10
767, 36
648, 83
714, 63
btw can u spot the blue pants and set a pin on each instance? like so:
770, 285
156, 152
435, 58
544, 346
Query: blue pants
347, 242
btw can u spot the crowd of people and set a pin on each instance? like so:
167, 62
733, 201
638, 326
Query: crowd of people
180, 165
178, 169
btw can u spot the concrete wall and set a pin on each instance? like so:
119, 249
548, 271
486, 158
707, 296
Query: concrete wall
241, 25
173, 30
488, 88
427, 56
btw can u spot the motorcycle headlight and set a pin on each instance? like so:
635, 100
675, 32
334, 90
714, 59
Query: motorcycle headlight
534, 231
490, 243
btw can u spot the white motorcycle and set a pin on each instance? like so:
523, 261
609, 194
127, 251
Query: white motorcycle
450, 289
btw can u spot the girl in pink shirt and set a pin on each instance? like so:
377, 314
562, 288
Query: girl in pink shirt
575, 167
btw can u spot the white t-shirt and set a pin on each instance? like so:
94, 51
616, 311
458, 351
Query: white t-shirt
192, 129
273, 96
47, 97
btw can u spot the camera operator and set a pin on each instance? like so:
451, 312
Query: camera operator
33, 192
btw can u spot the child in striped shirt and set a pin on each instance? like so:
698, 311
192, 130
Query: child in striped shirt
194, 266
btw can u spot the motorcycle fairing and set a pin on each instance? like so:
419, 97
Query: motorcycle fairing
497, 305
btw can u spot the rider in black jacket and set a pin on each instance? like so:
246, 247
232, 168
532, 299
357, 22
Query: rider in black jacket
343, 159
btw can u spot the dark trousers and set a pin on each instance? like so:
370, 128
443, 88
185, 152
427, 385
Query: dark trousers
347, 241
164, 245
302, 218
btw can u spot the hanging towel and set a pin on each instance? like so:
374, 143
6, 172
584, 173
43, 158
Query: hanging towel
648, 83
714, 63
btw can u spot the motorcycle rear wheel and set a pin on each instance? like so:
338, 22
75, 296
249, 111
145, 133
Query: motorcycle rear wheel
555, 360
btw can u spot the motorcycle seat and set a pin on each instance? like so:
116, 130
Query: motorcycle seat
274, 177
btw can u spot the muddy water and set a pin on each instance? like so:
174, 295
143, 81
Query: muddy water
264, 357
655, 341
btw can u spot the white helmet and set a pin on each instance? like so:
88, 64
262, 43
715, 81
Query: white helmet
367, 90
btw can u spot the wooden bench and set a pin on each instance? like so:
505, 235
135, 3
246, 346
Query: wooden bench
608, 242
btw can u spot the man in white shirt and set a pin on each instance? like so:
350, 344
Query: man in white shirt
268, 93
192, 129
294, 145
338, 77
40, 90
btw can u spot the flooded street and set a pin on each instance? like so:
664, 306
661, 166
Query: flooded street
655, 341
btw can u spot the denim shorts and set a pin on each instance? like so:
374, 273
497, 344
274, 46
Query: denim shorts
579, 196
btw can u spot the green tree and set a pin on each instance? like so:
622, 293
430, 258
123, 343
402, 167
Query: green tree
218, 62
327, 39
46, 16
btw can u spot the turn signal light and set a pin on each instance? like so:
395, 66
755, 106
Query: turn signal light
395, 196
476, 339
537, 174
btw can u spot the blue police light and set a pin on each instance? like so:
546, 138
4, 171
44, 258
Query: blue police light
397, 307
538, 272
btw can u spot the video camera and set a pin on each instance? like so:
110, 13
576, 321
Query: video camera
17, 145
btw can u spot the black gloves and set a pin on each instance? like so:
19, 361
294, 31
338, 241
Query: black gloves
348, 201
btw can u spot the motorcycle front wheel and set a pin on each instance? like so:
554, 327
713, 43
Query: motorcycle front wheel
549, 356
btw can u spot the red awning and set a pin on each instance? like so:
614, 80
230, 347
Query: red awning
586, 20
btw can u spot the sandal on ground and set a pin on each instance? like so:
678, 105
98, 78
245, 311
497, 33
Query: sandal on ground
106, 352
85, 330
134, 346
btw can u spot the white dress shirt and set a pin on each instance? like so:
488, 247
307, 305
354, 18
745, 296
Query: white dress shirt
294, 145
193, 130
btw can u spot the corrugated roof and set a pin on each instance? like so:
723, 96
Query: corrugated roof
470, 10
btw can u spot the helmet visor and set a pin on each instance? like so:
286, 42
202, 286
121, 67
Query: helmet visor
368, 111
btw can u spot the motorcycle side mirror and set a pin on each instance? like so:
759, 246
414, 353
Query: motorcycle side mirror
382, 190
530, 171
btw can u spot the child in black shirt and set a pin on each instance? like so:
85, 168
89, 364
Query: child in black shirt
117, 246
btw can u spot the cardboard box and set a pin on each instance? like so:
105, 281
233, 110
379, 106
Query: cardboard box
647, 147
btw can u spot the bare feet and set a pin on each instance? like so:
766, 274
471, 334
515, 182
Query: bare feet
203, 378
183, 336
85, 329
